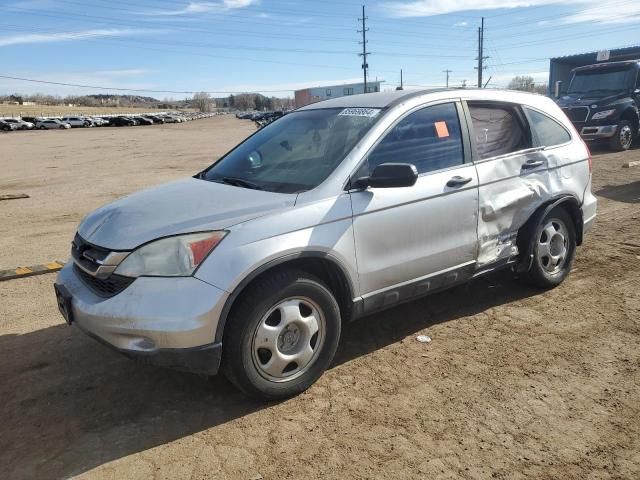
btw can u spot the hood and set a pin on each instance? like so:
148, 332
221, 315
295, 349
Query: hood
587, 99
183, 206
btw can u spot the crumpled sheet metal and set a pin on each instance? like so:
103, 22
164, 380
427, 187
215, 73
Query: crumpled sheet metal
508, 196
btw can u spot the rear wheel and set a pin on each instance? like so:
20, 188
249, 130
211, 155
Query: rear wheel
42, 127
554, 247
282, 336
623, 137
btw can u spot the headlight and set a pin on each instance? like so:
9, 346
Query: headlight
177, 256
602, 114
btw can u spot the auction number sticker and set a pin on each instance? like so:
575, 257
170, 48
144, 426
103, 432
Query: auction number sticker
360, 112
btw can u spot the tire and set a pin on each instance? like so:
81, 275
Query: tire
623, 138
270, 350
42, 127
554, 248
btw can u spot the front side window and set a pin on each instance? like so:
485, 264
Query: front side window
429, 138
497, 130
546, 130
295, 153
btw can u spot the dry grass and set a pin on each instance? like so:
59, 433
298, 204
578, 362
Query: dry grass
60, 111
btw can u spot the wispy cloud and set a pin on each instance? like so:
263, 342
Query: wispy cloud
428, 8
593, 11
607, 11
67, 36
204, 7
461, 24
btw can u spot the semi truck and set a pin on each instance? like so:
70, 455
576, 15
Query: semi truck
603, 102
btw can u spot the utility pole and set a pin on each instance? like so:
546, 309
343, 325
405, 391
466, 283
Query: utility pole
365, 65
481, 58
447, 72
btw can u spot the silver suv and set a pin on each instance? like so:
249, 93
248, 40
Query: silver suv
337, 210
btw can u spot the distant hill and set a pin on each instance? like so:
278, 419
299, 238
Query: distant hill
129, 99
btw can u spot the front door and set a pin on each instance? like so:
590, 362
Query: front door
404, 236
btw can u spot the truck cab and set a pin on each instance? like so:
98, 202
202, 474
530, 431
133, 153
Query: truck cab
603, 102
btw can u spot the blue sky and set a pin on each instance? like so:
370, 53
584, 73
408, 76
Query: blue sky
276, 46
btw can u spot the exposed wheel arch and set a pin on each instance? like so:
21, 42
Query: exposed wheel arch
319, 264
569, 203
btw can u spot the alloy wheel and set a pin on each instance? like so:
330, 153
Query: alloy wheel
288, 339
626, 136
553, 246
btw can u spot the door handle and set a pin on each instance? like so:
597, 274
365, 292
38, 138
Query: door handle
458, 181
532, 164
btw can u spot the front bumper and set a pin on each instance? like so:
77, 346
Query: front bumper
597, 132
170, 322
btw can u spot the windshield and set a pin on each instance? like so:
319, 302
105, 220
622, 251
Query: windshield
609, 80
295, 153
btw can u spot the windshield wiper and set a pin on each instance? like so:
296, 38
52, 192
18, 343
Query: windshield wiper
239, 182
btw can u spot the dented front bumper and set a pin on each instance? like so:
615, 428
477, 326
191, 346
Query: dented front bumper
170, 322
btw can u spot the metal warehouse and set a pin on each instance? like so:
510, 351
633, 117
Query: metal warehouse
317, 94
560, 67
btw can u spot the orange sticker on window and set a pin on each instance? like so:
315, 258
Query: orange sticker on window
442, 130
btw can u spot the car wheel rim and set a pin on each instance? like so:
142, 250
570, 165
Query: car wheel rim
553, 246
288, 339
625, 136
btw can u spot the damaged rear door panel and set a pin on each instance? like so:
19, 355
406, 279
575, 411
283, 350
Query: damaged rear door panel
517, 174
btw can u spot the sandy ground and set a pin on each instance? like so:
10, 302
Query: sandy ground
516, 383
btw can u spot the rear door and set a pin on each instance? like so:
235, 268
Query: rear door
405, 235
513, 176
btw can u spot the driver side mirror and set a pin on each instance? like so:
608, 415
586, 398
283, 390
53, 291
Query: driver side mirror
391, 175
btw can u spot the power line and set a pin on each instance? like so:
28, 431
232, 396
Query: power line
119, 89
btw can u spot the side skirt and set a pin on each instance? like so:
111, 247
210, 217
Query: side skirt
411, 291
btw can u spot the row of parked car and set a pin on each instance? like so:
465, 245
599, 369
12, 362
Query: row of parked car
82, 121
261, 119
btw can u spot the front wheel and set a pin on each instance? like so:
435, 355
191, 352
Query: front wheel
623, 137
554, 248
282, 336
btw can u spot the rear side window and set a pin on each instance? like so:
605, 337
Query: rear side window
429, 138
498, 130
546, 130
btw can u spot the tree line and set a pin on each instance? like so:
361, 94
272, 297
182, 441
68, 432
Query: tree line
242, 101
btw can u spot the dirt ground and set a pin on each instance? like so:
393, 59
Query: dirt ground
517, 383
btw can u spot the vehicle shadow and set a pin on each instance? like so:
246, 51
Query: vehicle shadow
628, 193
598, 149
70, 404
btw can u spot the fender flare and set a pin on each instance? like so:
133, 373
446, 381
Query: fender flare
526, 249
226, 309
